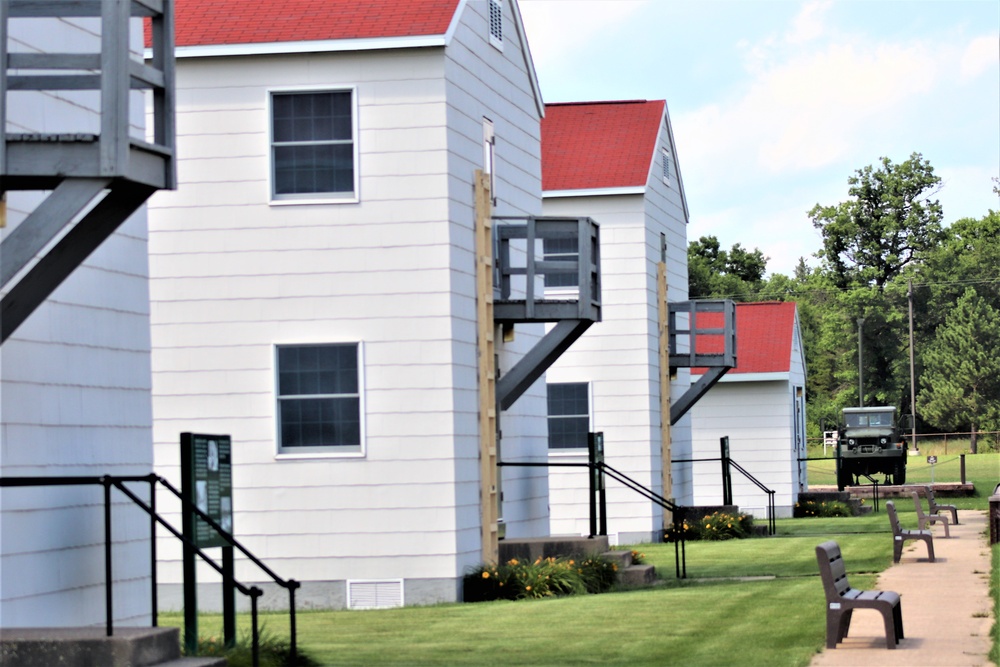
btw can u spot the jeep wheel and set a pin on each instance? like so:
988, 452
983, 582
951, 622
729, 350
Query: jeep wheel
899, 477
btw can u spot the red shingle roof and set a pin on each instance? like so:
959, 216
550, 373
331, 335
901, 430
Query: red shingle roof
217, 22
590, 145
764, 334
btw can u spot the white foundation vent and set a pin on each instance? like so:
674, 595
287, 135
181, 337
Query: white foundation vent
374, 594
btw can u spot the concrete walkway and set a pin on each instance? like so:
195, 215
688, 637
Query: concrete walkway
946, 605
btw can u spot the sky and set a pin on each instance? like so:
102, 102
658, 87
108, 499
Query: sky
776, 103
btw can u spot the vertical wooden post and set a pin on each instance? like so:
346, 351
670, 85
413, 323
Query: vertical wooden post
114, 140
485, 349
664, 331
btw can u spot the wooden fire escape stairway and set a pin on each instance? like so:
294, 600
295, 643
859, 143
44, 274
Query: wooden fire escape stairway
95, 179
520, 274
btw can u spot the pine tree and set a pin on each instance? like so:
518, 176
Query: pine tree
961, 378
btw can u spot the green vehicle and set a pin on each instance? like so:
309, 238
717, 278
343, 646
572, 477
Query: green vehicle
869, 444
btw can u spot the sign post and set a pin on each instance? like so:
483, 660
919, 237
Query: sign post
207, 483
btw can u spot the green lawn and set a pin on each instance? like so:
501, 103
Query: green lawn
710, 619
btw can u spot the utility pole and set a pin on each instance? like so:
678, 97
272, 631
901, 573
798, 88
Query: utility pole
913, 389
861, 379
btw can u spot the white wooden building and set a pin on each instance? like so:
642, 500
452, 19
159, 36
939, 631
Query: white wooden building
617, 163
74, 362
314, 285
761, 406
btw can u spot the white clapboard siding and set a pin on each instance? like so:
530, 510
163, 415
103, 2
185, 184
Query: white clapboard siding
74, 395
235, 274
619, 357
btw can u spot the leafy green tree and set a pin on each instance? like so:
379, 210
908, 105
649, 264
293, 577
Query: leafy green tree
969, 254
889, 219
960, 385
714, 272
885, 226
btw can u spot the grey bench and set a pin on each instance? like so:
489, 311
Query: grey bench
925, 520
901, 535
842, 600
934, 508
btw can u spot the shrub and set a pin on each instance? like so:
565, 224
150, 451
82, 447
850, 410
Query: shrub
715, 526
808, 508
545, 577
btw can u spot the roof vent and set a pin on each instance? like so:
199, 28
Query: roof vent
496, 23
374, 594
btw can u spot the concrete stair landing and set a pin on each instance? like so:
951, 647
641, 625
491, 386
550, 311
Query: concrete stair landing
90, 647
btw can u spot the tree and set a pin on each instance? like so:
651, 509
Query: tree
960, 385
870, 238
714, 272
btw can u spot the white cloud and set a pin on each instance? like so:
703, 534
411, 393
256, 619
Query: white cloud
806, 110
556, 35
809, 24
980, 55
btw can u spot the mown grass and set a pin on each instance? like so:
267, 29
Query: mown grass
707, 619
746, 602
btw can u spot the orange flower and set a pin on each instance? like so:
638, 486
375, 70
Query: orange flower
486, 575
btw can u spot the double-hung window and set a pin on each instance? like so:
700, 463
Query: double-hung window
319, 399
569, 415
312, 145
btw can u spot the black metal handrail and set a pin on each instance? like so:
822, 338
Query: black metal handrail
119, 481
676, 532
771, 525
874, 490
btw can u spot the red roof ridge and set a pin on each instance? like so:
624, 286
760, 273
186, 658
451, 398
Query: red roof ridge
596, 102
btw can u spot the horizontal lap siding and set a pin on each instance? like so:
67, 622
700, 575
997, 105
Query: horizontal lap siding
619, 356
234, 276
75, 388
484, 82
757, 417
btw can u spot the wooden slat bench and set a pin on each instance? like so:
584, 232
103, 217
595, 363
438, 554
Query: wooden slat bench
925, 520
901, 535
842, 600
934, 508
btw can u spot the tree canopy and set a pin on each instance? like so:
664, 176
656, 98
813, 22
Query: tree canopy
887, 222
887, 235
714, 272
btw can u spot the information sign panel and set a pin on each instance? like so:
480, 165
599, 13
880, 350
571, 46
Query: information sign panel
206, 467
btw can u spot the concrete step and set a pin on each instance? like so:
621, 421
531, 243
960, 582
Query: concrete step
637, 575
554, 546
83, 647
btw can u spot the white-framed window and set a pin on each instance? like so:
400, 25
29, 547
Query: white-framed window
313, 144
319, 399
496, 23
569, 414
667, 162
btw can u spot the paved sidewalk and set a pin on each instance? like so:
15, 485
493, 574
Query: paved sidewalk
946, 605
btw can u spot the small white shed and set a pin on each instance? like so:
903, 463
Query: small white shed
761, 406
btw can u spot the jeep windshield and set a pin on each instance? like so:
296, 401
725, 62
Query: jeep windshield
863, 420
